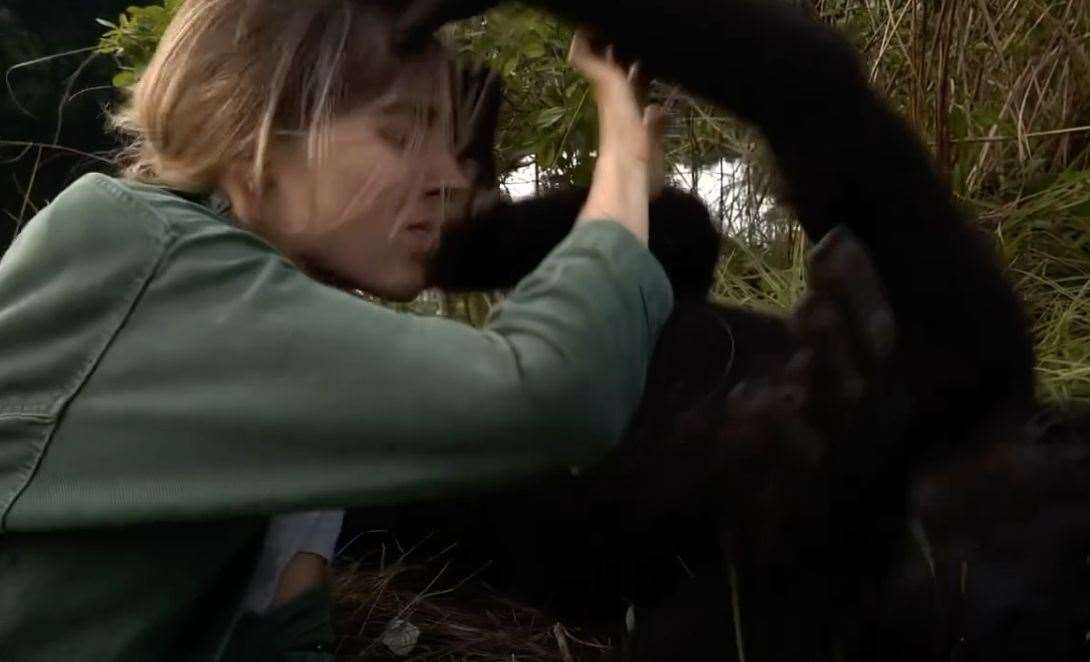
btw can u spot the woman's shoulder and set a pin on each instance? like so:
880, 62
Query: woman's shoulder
125, 202
104, 217
81, 266
103, 229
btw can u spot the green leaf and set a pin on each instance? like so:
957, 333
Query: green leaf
124, 79
534, 50
546, 154
550, 117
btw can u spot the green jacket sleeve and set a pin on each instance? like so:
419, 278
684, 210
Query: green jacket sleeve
202, 376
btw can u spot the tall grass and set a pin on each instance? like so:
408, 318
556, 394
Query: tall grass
1000, 89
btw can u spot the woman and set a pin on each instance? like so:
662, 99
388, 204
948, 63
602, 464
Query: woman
176, 371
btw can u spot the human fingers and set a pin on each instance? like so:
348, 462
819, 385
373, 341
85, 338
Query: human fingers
582, 58
599, 66
654, 124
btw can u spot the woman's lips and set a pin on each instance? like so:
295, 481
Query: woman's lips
423, 234
422, 226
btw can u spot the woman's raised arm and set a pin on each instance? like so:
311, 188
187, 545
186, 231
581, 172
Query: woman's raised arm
204, 376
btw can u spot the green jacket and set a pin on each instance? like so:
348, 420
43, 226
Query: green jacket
168, 380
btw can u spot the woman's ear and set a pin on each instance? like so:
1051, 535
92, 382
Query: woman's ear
241, 189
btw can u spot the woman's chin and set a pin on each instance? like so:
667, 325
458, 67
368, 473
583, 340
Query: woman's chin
401, 290
402, 296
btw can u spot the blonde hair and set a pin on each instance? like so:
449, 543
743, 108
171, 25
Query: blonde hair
229, 76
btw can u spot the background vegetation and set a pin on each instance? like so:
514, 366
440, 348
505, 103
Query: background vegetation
998, 88
51, 93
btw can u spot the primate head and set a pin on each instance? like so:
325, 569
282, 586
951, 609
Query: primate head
325, 139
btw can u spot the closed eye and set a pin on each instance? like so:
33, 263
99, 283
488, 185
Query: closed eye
398, 137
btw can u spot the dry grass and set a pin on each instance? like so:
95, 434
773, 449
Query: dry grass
1000, 89
458, 616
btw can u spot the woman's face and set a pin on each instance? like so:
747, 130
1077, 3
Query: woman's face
368, 215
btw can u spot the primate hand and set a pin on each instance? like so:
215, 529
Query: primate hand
804, 449
477, 95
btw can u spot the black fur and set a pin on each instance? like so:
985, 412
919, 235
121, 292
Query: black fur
494, 250
792, 447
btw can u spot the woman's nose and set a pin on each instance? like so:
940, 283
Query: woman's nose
448, 174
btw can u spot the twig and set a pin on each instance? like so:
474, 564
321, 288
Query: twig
30, 145
21, 65
1033, 134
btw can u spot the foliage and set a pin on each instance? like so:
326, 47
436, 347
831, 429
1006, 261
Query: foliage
552, 123
50, 103
132, 40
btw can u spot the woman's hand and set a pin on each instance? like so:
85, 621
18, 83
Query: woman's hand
629, 170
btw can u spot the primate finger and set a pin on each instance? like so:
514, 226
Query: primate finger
489, 98
764, 414
478, 101
835, 380
841, 268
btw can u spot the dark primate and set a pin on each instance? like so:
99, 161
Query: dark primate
875, 468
